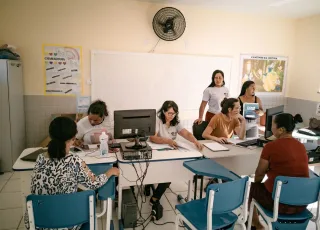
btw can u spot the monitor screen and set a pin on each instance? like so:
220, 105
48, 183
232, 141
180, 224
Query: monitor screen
134, 123
270, 113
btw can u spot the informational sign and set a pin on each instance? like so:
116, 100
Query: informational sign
268, 72
62, 69
249, 110
318, 110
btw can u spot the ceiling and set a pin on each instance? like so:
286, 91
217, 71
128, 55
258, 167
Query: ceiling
283, 8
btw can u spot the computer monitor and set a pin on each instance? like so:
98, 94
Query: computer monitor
134, 124
270, 113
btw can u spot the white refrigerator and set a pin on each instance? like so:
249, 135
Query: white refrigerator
12, 115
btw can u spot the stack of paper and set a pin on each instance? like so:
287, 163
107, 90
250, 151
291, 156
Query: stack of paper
215, 147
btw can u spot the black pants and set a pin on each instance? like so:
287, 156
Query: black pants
160, 190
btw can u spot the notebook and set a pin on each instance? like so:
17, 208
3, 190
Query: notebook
34, 155
215, 147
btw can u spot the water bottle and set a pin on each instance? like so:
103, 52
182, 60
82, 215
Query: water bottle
104, 148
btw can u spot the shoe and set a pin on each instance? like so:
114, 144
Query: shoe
147, 191
252, 227
152, 202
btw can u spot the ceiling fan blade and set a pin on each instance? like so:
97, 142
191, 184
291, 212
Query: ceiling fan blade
161, 23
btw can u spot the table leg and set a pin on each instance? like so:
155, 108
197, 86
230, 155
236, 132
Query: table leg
189, 190
195, 187
109, 214
119, 201
201, 187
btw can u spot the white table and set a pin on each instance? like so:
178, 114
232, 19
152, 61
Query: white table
165, 166
240, 160
25, 169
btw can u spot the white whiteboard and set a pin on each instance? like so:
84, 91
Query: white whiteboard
146, 80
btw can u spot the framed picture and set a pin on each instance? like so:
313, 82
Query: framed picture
268, 72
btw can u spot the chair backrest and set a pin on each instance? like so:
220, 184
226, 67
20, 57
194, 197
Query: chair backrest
198, 129
297, 190
62, 211
227, 196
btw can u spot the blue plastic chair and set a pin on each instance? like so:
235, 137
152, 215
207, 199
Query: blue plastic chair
216, 210
62, 211
292, 191
106, 194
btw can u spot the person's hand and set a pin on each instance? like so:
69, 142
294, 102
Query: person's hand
198, 145
112, 172
241, 118
222, 140
78, 143
198, 121
173, 144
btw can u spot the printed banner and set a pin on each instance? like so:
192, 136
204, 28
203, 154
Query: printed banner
268, 72
62, 70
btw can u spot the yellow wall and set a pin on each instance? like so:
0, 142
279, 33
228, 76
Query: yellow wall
125, 25
305, 77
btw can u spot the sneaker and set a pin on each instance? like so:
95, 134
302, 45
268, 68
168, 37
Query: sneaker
152, 202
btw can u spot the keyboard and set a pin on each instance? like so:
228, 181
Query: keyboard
248, 143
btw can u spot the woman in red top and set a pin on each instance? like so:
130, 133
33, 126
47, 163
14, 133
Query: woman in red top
285, 156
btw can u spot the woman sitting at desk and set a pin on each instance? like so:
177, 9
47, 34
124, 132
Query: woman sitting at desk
58, 171
91, 126
223, 125
167, 128
285, 156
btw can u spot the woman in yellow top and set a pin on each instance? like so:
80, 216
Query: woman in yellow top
223, 125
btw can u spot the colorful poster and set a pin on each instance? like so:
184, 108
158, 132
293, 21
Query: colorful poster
62, 70
268, 72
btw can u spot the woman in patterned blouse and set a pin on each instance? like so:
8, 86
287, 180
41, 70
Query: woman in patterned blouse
60, 172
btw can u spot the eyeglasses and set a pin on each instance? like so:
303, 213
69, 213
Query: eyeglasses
171, 114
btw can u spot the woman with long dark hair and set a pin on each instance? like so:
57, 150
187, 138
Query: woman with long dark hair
91, 126
284, 156
213, 95
225, 124
60, 172
168, 127
247, 95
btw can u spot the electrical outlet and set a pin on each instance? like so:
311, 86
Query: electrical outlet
318, 110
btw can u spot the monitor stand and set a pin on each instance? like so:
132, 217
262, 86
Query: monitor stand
136, 145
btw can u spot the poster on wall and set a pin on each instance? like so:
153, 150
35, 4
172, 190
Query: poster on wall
62, 69
268, 72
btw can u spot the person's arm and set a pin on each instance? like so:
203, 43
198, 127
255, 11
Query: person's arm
261, 170
207, 132
79, 138
240, 129
88, 178
188, 136
163, 140
201, 111
260, 111
205, 99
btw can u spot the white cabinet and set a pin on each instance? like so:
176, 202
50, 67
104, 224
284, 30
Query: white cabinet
12, 115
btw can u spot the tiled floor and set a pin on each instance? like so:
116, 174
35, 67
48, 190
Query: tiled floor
11, 209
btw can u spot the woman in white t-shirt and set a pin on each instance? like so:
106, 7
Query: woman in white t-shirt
167, 128
91, 126
213, 96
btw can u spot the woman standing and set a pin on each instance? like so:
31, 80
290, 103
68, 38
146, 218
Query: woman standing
247, 95
213, 95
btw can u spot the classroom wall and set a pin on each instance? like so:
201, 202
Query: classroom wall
126, 25
305, 76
